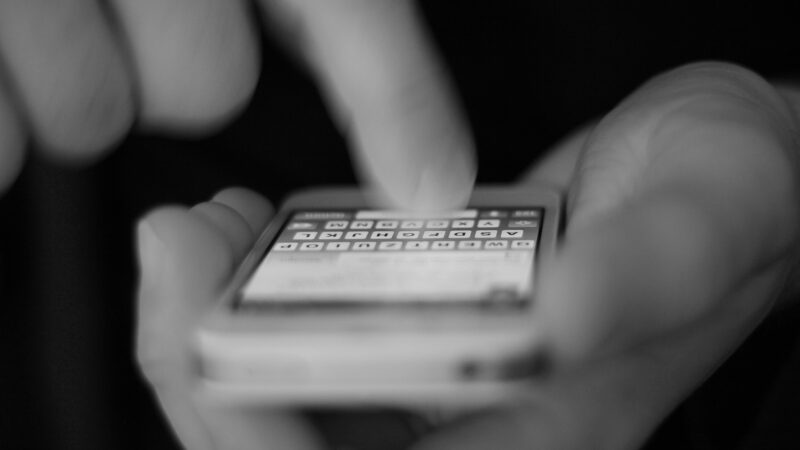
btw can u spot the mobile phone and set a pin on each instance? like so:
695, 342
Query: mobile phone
340, 303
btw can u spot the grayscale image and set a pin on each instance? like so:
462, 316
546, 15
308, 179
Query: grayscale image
399, 224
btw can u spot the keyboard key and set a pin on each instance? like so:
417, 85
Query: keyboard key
525, 213
488, 223
485, 234
523, 223
511, 234
337, 246
302, 226
363, 246
305, 235
356, 235
411, 224
285, 246
495, 245
524, 244
417, 245
437, 224
462, 223
494, 213
336, 225
407, 234
361, 225
310, 246
386, 224
460, 234
433, 234
329, 235
382, 234
443, 245
390, 245
469, 245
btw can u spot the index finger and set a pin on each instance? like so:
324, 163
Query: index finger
391, 94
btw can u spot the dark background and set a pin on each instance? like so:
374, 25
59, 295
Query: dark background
528, 73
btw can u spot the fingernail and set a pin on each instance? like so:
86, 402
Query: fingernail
151, 253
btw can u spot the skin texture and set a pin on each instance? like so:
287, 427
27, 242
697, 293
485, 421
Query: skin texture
656, 282
78, 77
68, 73
653, 287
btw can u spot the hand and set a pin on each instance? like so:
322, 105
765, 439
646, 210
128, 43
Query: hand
186, 257
682, 230
78, 81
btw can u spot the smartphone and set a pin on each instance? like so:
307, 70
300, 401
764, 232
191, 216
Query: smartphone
340, 303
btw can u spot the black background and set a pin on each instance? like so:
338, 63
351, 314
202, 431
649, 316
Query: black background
528, 73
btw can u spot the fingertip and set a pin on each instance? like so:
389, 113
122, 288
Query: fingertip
152, 250
90, 141
162, 218
252, 206
197, 61
194, 254
424, 185
387, 86
445, 186
71, 79
229, 222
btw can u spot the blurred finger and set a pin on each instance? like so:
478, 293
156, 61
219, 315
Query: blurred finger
253, 208
656, 238
197, 60
69, 71
240, 214
390, 91
12, 142
184, 261
231, 224
186, 258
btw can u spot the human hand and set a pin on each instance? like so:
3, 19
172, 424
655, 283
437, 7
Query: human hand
682, 228
186, 257
80, 75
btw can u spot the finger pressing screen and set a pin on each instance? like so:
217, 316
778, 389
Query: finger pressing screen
197, 60
684, 191
69, 72
12, 141
391, 94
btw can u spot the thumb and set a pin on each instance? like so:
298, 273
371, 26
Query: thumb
657, 239
186, 257
183, 262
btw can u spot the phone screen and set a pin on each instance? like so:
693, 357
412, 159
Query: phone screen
475, 256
